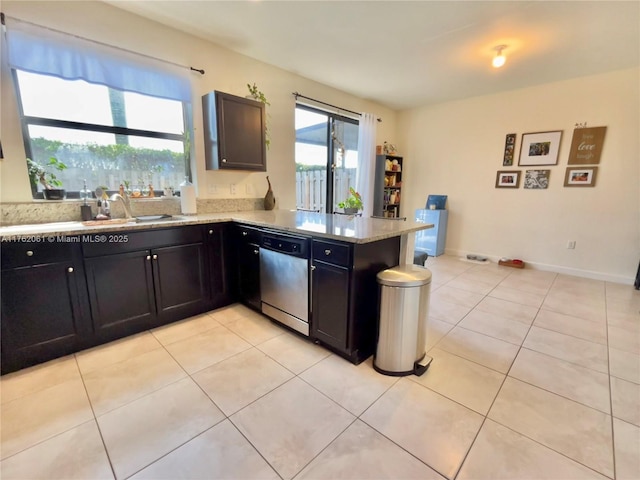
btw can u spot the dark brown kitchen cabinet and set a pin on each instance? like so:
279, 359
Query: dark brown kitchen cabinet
235, 135
131, 291
121, 293
247, 257
218, 250
181, 281
44, 301
330, 303
344, 293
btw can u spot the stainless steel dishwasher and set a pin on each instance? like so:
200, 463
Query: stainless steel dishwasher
284, 279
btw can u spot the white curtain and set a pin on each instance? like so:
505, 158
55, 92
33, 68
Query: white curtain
366, 161
38, 50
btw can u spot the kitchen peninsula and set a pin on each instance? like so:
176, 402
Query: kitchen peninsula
67, 286
347, 228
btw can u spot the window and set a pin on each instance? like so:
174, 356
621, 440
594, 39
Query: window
103, 135
326, 158
110, 116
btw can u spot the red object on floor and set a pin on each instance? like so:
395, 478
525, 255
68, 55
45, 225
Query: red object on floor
515, 263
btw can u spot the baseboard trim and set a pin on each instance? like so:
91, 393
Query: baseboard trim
576, 272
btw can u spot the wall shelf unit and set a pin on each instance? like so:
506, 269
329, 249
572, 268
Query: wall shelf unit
387, 186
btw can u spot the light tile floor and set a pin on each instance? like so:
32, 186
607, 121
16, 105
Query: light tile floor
535, 376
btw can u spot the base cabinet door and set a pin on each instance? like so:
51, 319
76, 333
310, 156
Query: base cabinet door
180, 280
218, 251
247, 242
330, 304
44, 312
249, 274
121, 293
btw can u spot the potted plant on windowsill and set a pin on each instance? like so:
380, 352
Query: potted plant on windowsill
44, 174
352, 203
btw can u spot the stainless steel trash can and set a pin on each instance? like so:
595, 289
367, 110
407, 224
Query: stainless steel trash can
402, 329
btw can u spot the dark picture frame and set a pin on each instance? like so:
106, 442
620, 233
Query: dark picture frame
509, 149
540, 148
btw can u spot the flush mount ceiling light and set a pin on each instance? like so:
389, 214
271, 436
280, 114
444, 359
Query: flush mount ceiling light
499, 59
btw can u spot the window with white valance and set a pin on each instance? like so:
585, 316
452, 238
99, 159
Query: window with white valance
112, 117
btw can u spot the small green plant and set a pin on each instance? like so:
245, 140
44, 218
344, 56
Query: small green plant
354, 200
257, 94
45, 174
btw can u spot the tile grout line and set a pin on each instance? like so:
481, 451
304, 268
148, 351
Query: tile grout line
95, 418
613, 438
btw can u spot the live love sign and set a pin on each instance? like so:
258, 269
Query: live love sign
586, 146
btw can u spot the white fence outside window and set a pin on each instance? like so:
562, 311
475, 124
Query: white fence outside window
311, 188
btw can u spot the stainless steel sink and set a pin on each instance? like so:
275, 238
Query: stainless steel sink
153, 218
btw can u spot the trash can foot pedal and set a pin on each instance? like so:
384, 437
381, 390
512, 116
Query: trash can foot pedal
422, 365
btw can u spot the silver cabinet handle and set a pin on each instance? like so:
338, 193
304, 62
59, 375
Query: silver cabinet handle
313, 267
224, 160
70, 269
256, 251
29, 253
327, 252
148, 257
155, 257
210, 232
244, 234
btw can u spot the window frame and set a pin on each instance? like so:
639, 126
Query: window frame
332, 117
26, 120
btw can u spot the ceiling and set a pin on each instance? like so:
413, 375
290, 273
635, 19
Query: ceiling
404, 54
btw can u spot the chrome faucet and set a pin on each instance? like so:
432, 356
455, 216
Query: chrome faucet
126, 203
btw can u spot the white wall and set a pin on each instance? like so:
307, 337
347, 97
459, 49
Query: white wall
225, 71
456, 148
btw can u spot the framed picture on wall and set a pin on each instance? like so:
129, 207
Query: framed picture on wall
509, 150
536, 179
508, 179
586, 146
580, 177
540, 148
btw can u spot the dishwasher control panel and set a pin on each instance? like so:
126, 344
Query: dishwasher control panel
288, 245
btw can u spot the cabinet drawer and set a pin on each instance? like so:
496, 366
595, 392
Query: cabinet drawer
331, 252
122, 242
249, 234
25, 254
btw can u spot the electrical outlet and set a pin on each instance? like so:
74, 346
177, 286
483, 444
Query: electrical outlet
249, 188
211, 188
571, 244
232, 188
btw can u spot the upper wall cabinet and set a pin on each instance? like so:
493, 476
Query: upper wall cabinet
234, 133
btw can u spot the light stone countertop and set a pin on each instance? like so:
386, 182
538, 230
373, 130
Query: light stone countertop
338, 227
